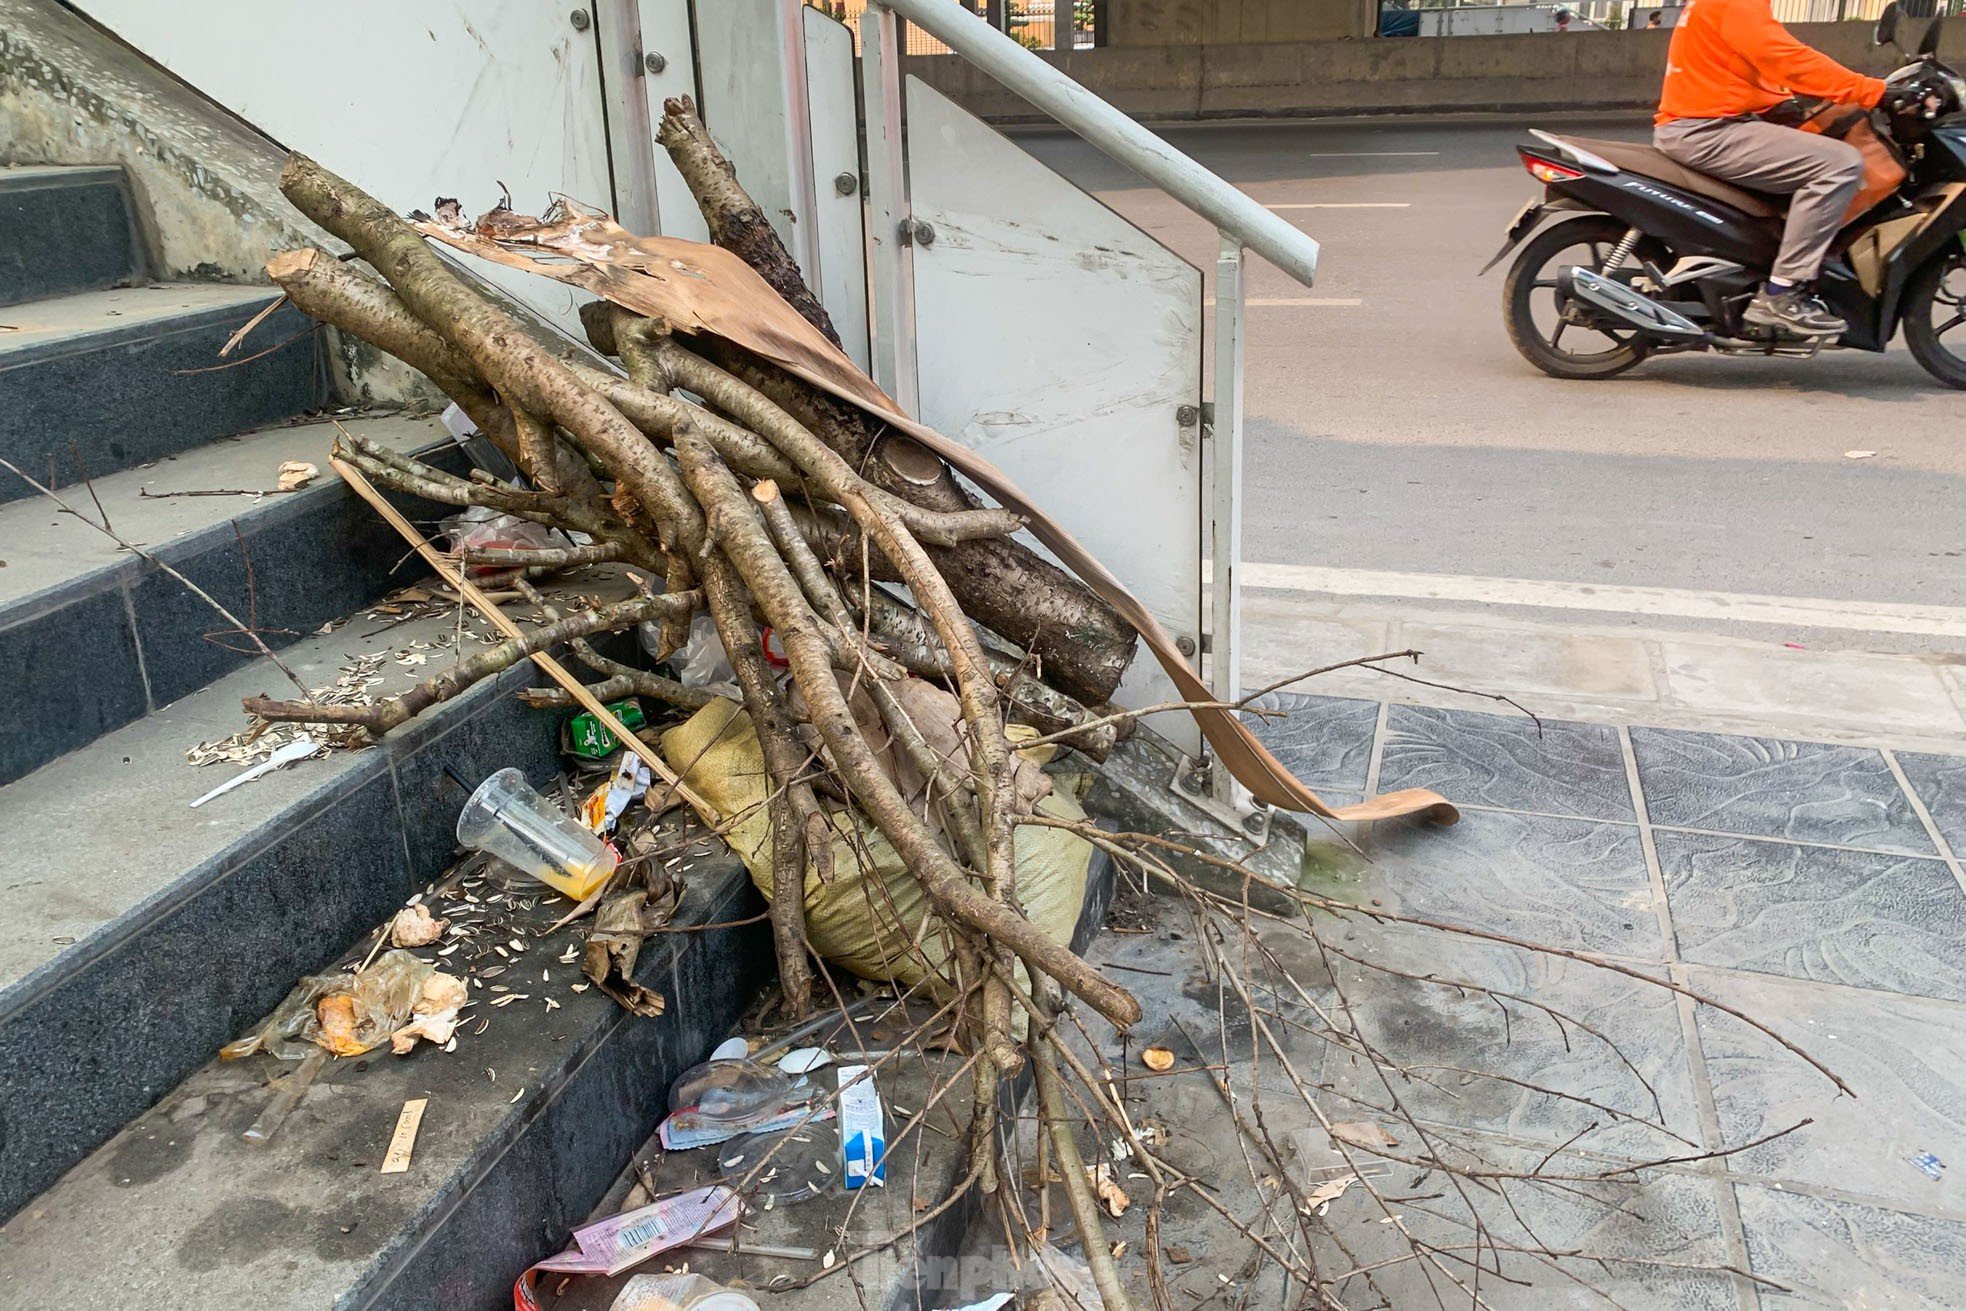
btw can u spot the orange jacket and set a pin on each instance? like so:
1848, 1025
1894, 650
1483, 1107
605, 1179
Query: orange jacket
1730, 57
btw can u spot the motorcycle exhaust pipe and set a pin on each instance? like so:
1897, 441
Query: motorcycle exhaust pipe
1615, 299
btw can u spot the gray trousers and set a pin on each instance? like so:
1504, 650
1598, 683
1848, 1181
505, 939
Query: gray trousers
1822, 175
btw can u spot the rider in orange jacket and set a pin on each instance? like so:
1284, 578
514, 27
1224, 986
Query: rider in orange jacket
1728, 62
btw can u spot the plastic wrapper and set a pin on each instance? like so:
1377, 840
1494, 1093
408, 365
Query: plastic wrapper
370, 1006
700, 661
731, 1094
348, 1014
478, 528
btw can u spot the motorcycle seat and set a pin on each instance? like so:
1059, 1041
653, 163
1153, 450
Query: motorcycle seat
1651, 162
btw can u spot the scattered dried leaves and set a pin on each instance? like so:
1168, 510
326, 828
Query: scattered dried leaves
1362, 1133
296, 474
1108, 1189
1320, 1198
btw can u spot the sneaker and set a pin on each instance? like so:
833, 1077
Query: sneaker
1793, 311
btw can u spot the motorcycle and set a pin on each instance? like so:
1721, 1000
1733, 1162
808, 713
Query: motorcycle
1658, 258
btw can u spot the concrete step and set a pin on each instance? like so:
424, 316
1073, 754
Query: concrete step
105, 380
94, 637
65, 230
143, 934
525, 1125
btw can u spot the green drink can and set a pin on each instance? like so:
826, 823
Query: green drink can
588, 737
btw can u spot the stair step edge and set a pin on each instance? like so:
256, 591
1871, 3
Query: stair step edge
49, 552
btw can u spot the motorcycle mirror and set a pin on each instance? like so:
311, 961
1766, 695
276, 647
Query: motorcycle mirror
1886, 31
1929, 43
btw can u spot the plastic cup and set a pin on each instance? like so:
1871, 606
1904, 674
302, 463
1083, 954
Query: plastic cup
507, 819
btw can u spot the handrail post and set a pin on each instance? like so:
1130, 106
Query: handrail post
891, 260
1225, 501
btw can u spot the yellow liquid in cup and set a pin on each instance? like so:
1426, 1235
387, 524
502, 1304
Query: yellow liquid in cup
577, 881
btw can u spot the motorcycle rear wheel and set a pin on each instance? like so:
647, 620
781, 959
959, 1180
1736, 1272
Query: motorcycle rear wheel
1531, 285
1935, 304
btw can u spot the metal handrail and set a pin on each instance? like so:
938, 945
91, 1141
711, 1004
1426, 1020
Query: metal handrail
1124, 140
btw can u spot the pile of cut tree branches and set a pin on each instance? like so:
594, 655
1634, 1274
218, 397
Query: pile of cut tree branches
740, 468
765, 502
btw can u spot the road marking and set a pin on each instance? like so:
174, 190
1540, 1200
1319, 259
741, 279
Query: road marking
1739, 607
1348, 204
1292, 302
1368, 154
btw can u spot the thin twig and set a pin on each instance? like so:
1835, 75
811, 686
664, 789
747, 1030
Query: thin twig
197, 591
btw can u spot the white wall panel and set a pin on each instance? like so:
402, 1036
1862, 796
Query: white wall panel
666, 32
410, 99
834, 116
753, 75
1061, 341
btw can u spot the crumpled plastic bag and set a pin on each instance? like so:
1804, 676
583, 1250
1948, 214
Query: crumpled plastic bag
280, 1034
700, 661
347, 1014
434, 1016
478, 528
359, 1016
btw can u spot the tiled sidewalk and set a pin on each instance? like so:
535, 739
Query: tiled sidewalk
1812, 886
1822, 686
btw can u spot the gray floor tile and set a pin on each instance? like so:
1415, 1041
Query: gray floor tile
1905, 1057
1326, 741
1565, 882
1444, 1044
1856, 917
1940, 782
1835, 1253
1768, 788
1507, 762
1149, 949
1672, 1219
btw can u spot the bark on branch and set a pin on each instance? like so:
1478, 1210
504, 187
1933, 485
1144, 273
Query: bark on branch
1082, 645
735, 528
379, 718
734, 219
504, 354
331, 291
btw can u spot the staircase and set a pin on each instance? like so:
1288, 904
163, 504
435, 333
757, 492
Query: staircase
143, 934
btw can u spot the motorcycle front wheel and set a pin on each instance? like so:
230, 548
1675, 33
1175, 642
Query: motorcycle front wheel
1533, 306
1935, 309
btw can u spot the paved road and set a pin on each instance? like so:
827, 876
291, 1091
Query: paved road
1435, 449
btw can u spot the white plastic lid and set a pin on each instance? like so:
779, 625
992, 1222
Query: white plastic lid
728, 1299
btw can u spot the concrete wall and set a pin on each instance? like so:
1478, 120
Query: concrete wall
206, 185
1236, 22
1540, 71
